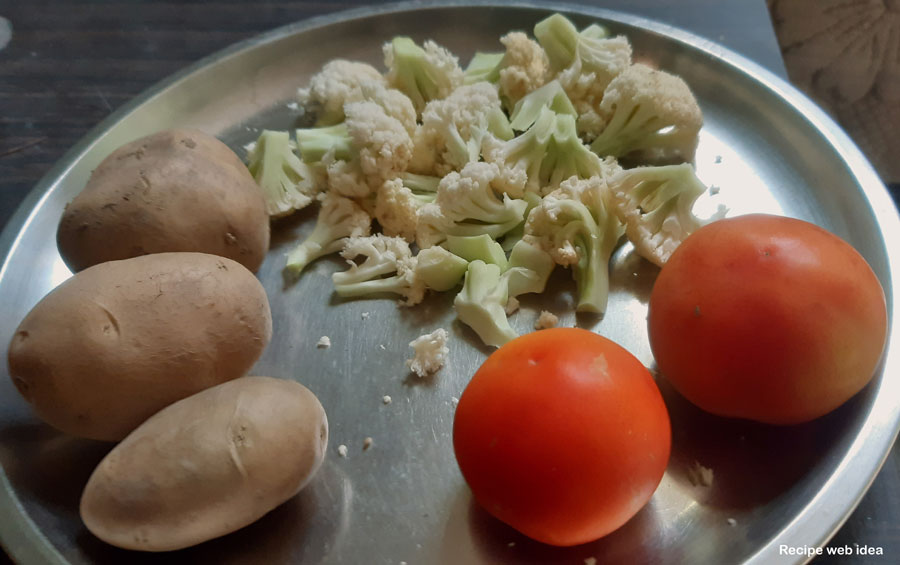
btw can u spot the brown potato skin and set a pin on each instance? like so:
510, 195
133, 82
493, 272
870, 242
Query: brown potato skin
119, 341
175, 190
207, 465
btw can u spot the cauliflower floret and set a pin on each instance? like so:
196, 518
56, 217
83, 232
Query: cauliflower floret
423, 74
398, 200
577, 227
468, 204
362, 152
523, 69
655, 204
542, 157
584, 63
338, 83
338, 218
288, 184
429, 353
546, 320
454, 127
650, 113
389, 267
395, 104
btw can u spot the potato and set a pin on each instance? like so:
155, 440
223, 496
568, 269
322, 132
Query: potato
176, 190
207, 465
117, 342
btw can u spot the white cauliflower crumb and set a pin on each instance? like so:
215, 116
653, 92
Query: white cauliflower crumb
367, 443
294, 106
364, 315
511, 544
324, 342
454, 400
546, 320
381, 346
386, 400
511, 305
430, 352
713, 189
700, 475
342, 450
250, 147
590, 561
732, 522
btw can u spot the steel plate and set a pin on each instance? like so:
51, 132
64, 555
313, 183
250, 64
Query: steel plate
403, 500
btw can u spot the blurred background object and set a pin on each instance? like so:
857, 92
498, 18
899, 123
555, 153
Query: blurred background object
845, 54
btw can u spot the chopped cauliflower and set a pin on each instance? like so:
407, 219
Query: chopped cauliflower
546, 320
372, 144
453, 129
422, 73
398, 200
578, 228
324, 342
700, 476
338, 218
584, 62
429, 353
336, 84
655, 204
468, 204
648, 113
389, 267
384, 150
524, 67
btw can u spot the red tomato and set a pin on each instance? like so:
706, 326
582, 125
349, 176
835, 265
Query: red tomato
563, 435
767, 318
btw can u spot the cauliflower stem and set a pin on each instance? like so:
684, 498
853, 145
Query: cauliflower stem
338, 218
481, 304
288, 184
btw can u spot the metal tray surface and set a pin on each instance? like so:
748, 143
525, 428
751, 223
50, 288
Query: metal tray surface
764, 144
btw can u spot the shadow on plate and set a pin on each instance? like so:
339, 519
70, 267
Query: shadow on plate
305, 529
752, 464
471, 531
48, 466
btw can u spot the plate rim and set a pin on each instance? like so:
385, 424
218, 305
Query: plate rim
25, 542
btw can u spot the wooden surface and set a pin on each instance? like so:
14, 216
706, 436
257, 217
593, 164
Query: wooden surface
70, 63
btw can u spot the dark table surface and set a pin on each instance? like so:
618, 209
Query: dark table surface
67, 64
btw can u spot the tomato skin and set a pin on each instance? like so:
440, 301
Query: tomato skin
563, 435
767, 318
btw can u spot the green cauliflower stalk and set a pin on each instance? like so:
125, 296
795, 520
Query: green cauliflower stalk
288, 184
481, 304
479, 247
484, 67
439, 269
549, 152
584, 63
528, 268
578, 228
422, 73
527, 110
